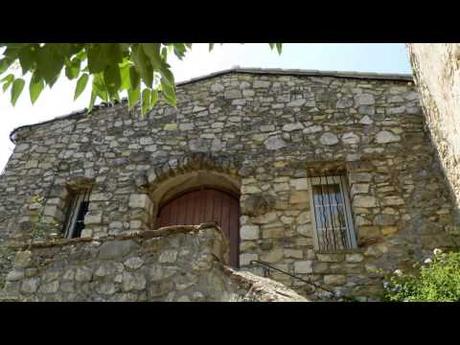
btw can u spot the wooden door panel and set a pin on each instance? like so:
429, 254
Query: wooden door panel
206, 205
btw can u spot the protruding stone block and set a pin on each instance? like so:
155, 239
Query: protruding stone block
328, 139
139, 201
249, 232
303, 266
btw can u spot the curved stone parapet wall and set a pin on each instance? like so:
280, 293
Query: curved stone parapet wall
265, 132
179, 263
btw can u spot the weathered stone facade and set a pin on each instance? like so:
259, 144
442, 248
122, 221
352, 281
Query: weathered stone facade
172, 264
260, 133
437, 76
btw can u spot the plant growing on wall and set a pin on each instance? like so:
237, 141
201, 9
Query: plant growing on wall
6, 261
140, 69
437, 279
41, 229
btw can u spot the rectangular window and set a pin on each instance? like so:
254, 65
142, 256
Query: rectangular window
77, 208
331, 214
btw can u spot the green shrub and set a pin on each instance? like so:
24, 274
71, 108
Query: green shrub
437, 279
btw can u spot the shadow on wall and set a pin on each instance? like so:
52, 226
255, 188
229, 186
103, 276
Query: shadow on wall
178, 263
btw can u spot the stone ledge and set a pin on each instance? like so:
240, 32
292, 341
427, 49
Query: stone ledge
147, 234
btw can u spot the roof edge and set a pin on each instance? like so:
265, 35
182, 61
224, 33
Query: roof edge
248, 70
303, 72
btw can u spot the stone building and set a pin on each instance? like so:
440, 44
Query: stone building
330, 177
437, 75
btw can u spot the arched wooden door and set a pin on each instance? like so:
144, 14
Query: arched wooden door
206, 205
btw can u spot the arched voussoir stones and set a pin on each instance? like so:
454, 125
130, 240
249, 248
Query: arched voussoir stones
188, 163
165, 181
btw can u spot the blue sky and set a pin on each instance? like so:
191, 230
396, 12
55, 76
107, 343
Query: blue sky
384, 58
381, 58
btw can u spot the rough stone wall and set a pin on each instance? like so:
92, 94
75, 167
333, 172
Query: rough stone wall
172, 264
265, 133
437, 74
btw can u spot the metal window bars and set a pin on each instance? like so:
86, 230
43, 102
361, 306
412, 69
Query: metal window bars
77, 209
331, 214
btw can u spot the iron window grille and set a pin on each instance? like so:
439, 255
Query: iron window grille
77, 209
331, 214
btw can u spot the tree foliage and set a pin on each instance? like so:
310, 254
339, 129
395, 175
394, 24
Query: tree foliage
437, 279
139, 69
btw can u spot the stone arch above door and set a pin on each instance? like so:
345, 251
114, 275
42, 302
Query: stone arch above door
172, 179
190, 162
167, 189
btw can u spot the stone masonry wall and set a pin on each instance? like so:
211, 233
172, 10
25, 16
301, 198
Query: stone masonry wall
437, 74
173, 264
263, 133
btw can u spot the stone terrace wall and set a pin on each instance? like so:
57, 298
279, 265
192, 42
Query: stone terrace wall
265, 131
437, 74
171, 264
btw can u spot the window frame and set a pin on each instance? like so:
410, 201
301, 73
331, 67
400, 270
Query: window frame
76, 199
344, 191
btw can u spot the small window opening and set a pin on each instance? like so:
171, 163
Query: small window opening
76, 211
332, 218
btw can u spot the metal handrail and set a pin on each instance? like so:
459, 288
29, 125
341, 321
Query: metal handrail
263, 263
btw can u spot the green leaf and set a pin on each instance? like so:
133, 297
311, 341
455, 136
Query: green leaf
152, 51
12, 50
115, 96
112, 79
64, 49
124, 75
7, 81
49, 63
36, 86
167, 74
96, 61
125, 47
134, 78
100, 88
8, 77
279, 47
5, 63
27, 57
179, 50
164, 53
142, 63
92, 100
101, 55
81, 85
72, 70
81, 54
146, 96
133, 97
16, 90
114, 52
78, 49
168, 93
154, 98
